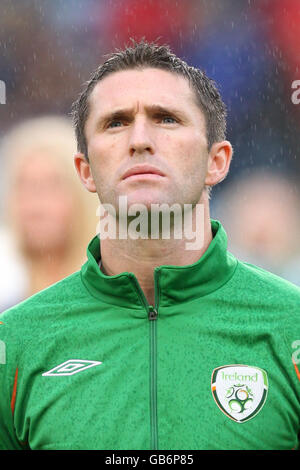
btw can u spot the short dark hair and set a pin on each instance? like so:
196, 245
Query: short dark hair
142, 55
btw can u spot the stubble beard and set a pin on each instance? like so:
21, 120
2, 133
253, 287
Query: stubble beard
164, 218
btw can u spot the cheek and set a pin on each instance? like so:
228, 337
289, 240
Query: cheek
104, 160
101, 149
191, 158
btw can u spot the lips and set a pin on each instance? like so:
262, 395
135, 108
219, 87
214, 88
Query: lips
142, 170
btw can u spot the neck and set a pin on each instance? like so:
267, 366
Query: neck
141, 256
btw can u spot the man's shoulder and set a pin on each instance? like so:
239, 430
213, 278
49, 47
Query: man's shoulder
266, 285
270, 301
51, 300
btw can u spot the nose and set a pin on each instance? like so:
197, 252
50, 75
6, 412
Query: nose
140, 141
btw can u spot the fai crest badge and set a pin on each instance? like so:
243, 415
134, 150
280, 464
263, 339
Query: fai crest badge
239, 391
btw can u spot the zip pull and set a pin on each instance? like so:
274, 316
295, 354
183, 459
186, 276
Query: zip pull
152, 313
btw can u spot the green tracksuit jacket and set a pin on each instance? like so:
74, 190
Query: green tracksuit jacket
214, 364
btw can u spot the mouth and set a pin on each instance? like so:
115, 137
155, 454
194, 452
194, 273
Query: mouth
143, 171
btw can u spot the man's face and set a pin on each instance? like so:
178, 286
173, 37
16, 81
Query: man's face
146, 117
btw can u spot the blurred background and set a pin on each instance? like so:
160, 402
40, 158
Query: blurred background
48, 49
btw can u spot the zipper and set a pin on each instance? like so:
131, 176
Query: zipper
152, 313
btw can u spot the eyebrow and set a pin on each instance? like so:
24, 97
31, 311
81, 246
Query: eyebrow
150, 110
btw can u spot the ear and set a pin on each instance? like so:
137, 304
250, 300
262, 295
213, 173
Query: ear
84, 172
219, 160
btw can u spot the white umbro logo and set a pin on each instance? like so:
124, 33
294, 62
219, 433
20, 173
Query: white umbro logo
71, 367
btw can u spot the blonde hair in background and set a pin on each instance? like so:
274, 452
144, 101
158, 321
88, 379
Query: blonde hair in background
54, 138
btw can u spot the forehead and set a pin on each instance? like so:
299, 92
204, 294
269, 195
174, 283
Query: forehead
147, 86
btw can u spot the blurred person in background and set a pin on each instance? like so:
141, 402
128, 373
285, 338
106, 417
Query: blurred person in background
48, 216
260, 212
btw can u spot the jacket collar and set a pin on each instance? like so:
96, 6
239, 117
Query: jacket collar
173, 284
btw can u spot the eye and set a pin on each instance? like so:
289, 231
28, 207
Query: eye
114, 124
168, 120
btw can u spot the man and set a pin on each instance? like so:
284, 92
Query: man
153, 345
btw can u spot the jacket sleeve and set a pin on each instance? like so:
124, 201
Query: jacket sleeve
292, 340
8, 368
